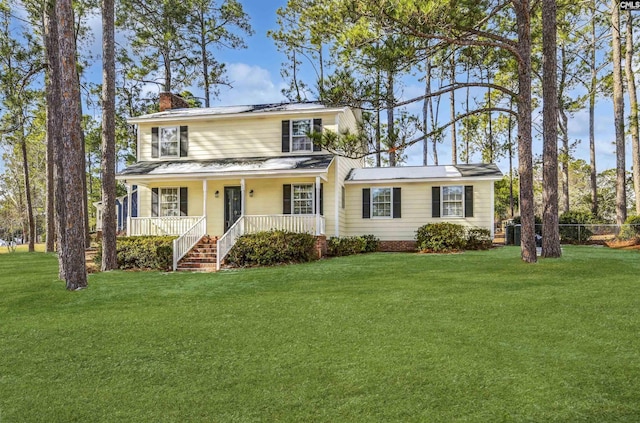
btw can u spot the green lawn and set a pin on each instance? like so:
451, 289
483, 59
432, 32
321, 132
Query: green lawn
473, 337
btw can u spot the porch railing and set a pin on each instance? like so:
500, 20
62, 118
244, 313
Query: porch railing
312, 224
186, 241
174, 225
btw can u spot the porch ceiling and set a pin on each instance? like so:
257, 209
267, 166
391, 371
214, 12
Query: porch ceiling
225, 168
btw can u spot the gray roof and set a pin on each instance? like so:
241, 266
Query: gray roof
200, 112
227, 167
425, 173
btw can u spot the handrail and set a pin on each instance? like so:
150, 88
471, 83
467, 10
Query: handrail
187, 240
309, 223
226, 242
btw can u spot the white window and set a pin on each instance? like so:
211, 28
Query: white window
169, 202
302, 199
300, 130
381, 202
453, 201
170, 141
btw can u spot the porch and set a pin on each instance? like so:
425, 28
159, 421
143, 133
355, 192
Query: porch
190, 230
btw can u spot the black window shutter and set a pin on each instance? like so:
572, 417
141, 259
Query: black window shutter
317, 127
366, 203
286, 199
184, 141
397, 201
435, 201
154, 142
322, 199
184, 201
285, 136
154, 202
468, 201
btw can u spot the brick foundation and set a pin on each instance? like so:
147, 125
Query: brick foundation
398, 246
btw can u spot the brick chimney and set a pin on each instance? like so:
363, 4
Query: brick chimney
170, 101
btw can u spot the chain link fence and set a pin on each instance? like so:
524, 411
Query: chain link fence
579, 233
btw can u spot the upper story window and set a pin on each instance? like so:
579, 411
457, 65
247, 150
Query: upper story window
295, 135
453, 201
300, 130
169, 141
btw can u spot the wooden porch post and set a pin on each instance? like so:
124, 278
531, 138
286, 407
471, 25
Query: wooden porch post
128, 208
318, 205
242, 196
204, 201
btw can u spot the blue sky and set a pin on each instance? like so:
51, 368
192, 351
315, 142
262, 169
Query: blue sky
255, 76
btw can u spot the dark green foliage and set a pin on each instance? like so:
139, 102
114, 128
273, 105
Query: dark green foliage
631, 229
372, 243
142, 252
349, 245
345, 246
441, 237
478, 239
272, 247
576, 232
445, 237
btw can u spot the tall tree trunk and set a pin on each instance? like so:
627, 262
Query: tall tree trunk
54, 128
72, 158
31, 224
633, 106
108, 165
618, 114
50, 204
564, 168
378, 115
525, 156
425, 113
510, 146
550, 230
592, 114
204, 58
391, 133
467, 137
452, 98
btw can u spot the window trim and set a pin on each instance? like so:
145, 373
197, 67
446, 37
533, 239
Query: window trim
372, 204
160, 202
461, 201
161, 129
313, 198
291, 136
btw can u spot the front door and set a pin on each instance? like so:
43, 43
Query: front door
232, 206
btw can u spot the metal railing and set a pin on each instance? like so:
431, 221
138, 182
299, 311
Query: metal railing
168, 225
312, 224
579, 233
186, 241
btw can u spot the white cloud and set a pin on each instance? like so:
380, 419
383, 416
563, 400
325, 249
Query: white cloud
252, 84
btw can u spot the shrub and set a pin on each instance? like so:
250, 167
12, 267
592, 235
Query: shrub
441, 237
478, 239
272, 247
631, 229
576, 233
345, 246
372, 243
142, 252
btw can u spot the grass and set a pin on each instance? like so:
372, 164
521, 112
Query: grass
22, 248
471, 337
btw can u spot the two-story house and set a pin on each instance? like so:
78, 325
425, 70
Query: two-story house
227, 171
